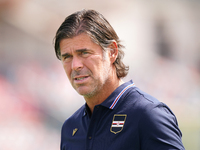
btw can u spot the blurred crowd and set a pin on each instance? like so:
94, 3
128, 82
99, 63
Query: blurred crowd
34, 103
162, 50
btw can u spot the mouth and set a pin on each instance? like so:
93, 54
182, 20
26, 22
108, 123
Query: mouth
80, 78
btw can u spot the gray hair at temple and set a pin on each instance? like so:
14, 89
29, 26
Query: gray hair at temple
98, 28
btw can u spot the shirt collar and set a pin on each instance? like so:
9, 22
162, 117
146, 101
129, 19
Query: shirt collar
114, 98
86, 110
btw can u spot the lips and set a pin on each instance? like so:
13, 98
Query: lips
80, 78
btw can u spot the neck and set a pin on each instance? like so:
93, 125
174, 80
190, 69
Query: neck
103, 94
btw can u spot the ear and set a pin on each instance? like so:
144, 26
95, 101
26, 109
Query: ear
113, 51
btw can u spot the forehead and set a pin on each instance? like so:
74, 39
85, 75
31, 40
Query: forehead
82, 41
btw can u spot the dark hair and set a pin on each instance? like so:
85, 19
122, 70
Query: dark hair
98, 28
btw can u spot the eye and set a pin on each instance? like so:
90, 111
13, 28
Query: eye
85, 53
66, 58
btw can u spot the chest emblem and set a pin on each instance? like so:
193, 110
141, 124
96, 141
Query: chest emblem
74, 131
118, 123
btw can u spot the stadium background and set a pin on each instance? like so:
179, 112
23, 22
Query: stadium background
162, 40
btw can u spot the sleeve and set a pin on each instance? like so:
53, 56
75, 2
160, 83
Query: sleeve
159, 129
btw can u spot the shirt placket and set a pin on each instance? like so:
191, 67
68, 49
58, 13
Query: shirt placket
93, 127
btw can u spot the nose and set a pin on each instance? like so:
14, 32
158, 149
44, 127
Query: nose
77, 64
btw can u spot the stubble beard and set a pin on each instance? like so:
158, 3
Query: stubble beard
93, 87
101, 83
98, 83
96, 87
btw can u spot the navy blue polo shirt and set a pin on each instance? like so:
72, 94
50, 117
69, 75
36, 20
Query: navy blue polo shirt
128, 119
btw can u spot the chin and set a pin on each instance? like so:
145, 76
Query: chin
82, 91
86, 93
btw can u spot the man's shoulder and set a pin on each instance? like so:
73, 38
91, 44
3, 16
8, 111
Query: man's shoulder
140, 100
142, 97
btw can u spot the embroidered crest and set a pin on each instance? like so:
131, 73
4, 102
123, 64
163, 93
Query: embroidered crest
118, 123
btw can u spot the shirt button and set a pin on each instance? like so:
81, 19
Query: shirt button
89, 137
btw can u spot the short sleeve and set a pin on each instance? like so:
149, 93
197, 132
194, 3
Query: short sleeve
159, 129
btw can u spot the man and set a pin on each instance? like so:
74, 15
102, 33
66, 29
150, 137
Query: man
116, 115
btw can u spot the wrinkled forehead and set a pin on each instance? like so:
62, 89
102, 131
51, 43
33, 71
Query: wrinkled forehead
82, 41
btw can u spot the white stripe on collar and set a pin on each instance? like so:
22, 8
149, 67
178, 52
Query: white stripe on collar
120, 94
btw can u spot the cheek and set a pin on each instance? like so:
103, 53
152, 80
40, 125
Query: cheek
97, 63
95, 68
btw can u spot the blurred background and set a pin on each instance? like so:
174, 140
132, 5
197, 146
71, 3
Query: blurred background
162, 40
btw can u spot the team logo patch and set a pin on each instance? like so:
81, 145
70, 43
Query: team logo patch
118, 123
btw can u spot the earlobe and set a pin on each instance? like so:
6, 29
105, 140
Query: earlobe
113, 51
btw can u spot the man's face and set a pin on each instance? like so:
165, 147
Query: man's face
85, 65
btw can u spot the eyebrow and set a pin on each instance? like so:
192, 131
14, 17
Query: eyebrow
82, 50
78, 51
